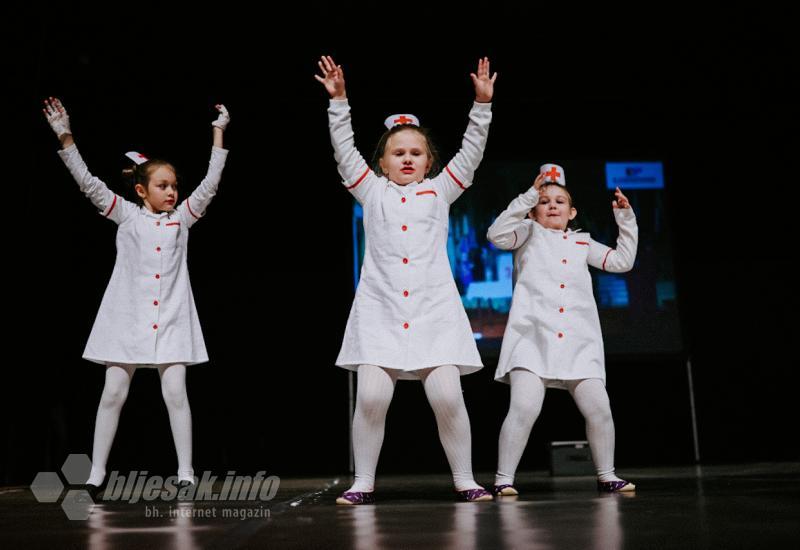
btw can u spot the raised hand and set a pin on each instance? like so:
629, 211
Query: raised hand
484, 85
332, 77
621, 200
56, 116
538, 182
223, 119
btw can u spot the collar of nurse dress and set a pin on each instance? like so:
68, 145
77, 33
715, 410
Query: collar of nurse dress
145, 212
540, 227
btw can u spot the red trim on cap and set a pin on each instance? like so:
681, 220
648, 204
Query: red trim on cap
174, 223
606, 257
428, 192
190, 210
113, 204
364, 175
581, 242
455, 179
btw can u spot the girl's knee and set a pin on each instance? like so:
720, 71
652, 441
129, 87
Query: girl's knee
174, 395
114, 395
372, 403
525, 408
451, 402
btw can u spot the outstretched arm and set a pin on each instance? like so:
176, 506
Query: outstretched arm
621, 258
194, 207
109, 204
353, 169
458, 173
511, 228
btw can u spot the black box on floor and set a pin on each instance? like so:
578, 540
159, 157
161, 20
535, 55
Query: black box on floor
570, 458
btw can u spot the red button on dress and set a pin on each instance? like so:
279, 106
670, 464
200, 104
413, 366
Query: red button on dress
158, 249
563, 261
403, 199
561, 310
158, 276
562, 285
565, 237
405, 228
560, 334
405, 325
405, 293
405, 260
155, 327
158, 223
155, 302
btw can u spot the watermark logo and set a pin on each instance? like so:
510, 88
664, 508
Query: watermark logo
137, 486
48, 487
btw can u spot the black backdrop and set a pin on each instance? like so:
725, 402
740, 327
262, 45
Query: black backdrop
713, 95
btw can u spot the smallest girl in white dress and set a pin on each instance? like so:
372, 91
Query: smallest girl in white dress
553, 336
147, 317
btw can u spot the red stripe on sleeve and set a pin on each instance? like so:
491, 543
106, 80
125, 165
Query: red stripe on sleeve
455, 179
364, 175
190, 210
113, 204
604, 259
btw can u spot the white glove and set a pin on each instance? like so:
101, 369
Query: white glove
57, 116
223, 119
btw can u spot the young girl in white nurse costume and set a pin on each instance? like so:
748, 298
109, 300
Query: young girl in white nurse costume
147, 317
553, 337
407, 320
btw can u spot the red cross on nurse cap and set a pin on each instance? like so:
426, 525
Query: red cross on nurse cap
553, 173
396, 120
138, 158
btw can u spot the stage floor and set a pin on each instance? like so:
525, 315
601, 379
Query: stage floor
732, 506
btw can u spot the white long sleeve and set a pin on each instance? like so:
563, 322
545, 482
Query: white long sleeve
354, 170
512, 227
107, 202
621, 258
194, 207
458, 173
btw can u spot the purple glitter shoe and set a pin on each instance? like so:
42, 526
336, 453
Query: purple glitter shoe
506, 490
474, 495
620, 486
356, 497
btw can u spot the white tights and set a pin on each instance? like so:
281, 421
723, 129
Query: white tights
115, 391
443, 389
527, 395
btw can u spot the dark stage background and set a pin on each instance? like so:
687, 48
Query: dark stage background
714, 96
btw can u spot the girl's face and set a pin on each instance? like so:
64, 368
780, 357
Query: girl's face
553, 210
161, 193
405, 158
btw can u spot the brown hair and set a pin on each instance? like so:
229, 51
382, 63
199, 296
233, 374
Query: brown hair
381, 148
139, 174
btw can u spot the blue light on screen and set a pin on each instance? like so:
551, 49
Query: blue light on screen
635, 175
